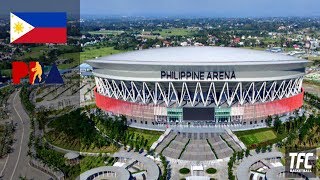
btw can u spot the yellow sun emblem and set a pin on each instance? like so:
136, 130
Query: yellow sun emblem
18, 27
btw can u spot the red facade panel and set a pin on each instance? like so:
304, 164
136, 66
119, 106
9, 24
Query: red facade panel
251, 111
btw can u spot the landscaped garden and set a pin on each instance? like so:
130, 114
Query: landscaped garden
256, 136
56, 159
259, 137
115, 128
150, 136
76, 131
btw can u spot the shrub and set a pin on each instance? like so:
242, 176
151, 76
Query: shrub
211, 170
184, 171
258, 149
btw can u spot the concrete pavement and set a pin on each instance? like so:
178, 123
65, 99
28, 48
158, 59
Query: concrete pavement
16, 164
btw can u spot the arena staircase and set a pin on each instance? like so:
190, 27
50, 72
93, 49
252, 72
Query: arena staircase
197, 146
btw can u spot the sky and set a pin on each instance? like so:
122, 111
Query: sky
69, 6
206, 8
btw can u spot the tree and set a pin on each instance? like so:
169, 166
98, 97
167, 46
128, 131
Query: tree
137, 147
148, 149
142, 141
131, 145
277, 124
247, 152
242, 154
258, 149
146, 142
239, 155
165, 167
269, 121
125, 145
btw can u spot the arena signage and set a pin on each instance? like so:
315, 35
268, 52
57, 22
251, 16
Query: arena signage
200, 75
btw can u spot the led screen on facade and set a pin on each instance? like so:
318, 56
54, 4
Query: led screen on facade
194, 113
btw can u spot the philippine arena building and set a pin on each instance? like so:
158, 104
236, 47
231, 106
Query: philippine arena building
198, 85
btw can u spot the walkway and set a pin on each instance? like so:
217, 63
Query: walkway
278, 173
151, 168
243, 170
105, 172
16, 163
205, 128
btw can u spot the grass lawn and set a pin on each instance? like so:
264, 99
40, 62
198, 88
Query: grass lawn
61, 140
74, 63
311, 58
93, 52
89, 162
70, 55
259, 136
35, 53
152, 136
269, 40
174, 32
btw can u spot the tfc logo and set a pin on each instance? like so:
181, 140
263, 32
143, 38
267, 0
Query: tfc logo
301, 158
36, 73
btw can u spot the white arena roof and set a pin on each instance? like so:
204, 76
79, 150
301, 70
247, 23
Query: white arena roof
173, 63
198, 55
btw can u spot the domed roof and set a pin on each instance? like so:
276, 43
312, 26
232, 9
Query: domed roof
197, 55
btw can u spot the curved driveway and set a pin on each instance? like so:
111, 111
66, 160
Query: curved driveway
17, 163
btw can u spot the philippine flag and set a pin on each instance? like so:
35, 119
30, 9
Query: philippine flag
38, 27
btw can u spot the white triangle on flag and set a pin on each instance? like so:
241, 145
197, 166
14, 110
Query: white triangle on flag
18, 27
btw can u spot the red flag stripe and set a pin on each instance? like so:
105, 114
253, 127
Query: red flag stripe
44, 35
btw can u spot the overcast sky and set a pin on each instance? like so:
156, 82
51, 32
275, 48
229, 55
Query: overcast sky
211, 8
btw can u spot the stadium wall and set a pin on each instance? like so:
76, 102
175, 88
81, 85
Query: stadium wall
153, 114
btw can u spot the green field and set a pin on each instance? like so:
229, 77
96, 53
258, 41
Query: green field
256, 136
314, 58
106, 32
63, 141
93, 52
35, 52
256, 48
89, 162
74, 63
88, 53
175, 32
6, 72
152, 136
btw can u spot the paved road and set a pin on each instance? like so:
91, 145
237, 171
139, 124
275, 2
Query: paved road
17, 163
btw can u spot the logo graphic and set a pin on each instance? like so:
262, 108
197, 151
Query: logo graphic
38, 27
297, 159
301, 162
35, 70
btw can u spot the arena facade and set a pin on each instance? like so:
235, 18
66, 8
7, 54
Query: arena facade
198, 85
